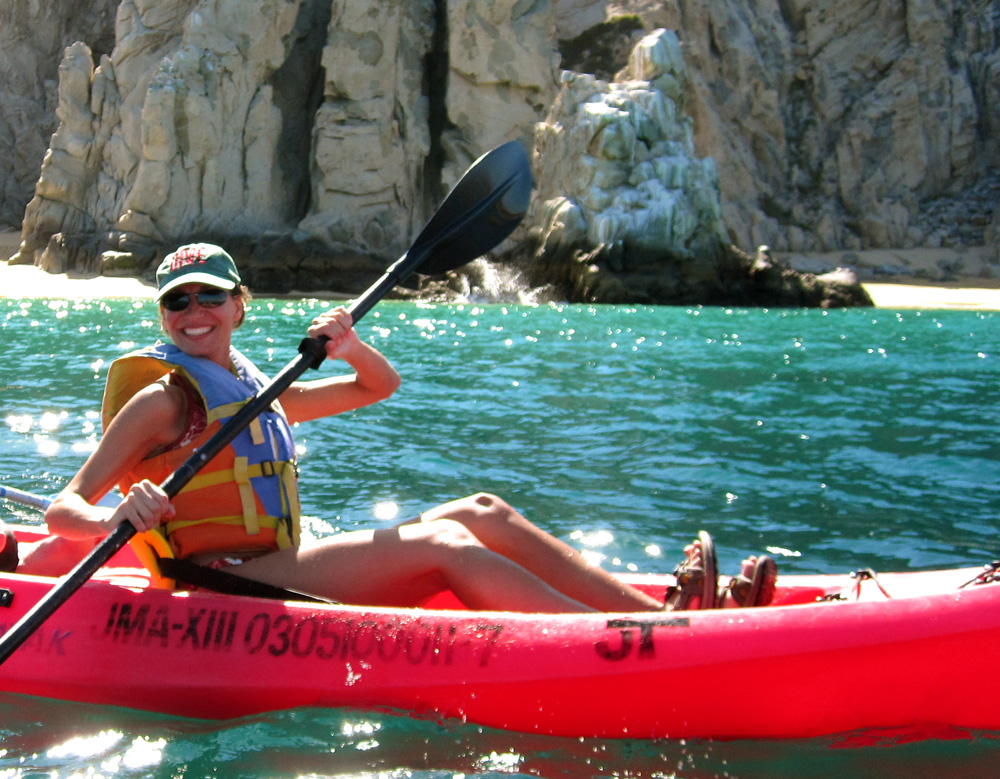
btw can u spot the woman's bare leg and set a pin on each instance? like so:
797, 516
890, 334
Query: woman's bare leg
402, 566
53, 556
500, 528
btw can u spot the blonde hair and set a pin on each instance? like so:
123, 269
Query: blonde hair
245, 297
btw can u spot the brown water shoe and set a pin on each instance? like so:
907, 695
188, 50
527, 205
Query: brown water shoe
697, 579
758, 588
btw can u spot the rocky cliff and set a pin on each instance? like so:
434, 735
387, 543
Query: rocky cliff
850, 124
32, 38
314, 137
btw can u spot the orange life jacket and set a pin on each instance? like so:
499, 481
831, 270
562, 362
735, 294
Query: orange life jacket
246, 498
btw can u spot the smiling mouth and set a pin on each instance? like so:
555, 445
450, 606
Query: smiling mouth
194, 332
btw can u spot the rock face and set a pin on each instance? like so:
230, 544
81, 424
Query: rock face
408, 106
315, 137
33, 35
177, 132
841, 125
312, 138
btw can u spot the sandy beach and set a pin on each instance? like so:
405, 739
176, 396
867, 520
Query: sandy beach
910, 289
915, 293
27, 281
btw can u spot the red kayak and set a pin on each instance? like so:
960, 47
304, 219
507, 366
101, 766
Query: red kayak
910, 653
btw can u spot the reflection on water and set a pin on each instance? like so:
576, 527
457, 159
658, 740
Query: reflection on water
70, 738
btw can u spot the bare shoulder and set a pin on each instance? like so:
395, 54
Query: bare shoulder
160, 397
157, 412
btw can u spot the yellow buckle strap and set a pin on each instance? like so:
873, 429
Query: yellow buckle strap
230, 409
182, 524
225, 475
224, 411
241, 473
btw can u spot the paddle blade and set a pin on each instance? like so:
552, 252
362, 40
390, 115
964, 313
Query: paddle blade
482, 209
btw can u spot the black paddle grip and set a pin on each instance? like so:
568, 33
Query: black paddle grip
314, 349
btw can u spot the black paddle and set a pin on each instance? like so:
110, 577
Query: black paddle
485, 206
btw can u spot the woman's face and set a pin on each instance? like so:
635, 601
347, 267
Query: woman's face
203, 331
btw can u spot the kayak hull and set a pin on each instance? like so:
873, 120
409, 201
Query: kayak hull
922, 661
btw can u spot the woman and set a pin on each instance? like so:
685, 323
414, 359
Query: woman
161, 404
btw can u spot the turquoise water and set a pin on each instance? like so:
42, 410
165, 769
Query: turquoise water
836, 440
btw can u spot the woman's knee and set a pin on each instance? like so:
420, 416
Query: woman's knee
471, 507
488, 517
490, 502
493, 521
485, 505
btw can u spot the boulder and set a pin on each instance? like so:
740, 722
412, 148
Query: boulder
625, 209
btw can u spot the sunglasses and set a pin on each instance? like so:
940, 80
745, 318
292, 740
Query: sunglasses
179, 301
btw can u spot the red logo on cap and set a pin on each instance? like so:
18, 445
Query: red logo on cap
188, 255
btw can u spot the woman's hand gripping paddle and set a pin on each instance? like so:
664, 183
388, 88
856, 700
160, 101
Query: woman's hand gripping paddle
485, 206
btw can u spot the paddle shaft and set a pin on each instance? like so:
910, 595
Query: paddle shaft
24, 498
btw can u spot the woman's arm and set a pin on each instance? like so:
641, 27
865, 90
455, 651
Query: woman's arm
151, 420
374, 377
